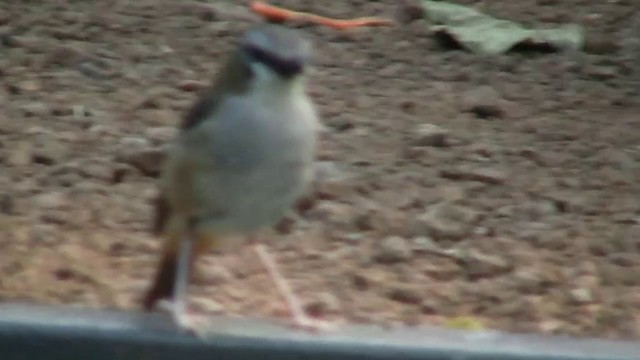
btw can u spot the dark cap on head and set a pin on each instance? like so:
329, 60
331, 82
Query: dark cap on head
281, 49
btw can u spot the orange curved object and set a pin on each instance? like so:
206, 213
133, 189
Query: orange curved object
275, 13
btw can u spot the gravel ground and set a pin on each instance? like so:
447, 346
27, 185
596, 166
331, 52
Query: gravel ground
503, 188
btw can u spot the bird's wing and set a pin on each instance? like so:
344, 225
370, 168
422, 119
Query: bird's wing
194, 146
232, 79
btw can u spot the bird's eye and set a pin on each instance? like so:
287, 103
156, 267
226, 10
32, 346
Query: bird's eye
283, 67
258, 55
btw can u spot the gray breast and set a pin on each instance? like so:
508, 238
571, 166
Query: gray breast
257, 164
246, 136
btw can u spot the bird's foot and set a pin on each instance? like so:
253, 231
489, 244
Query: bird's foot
306, 323
186, 322
191, 324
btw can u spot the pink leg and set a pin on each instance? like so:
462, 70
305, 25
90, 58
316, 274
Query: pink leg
300, 318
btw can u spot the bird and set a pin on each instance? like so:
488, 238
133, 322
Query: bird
243, 155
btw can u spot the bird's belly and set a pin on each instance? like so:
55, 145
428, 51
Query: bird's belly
255, 199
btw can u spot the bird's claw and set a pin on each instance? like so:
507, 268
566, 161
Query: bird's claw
191, 324
186, 322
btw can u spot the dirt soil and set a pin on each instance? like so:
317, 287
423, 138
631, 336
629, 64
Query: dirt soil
503, 189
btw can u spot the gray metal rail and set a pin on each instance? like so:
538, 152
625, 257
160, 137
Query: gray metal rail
54, 333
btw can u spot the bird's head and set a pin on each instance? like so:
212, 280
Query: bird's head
275, 55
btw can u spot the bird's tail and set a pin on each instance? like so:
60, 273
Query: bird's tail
163, 285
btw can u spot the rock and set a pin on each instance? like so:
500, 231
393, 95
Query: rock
65, 175
7, 205
365, 279
429, 306
133, 143
430, 135
568, 202
161, 134
149, 161
89, 187
157, 97
361, 281
616, 159
213, 274
120, 172
81, 111
484, 102
95, 169
365, 221
506, 211
31, 86
331, 213
48, 151
36, 130
529, 281
393, 70
63, 56
392, 250
581, 296
44, 234
450, 193
425, 243
64, 274
627, 258
602, 72
414, 153
286, 225
8, 40
329, 181
21, 154
406, 294
380, 216
479, 265
98, 70
326, 170
117, 248
482, 174
550, 326
535, 156
446, 220
537, 210
191, 85
51, 201
483, 151
138, 153
322, 305
350, 238
600, 44
34, 109
61, 110
234, 12
304, 204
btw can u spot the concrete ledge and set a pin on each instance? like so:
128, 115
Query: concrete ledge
64, 333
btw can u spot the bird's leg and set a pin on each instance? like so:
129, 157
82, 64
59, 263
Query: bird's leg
179, 304
300, 318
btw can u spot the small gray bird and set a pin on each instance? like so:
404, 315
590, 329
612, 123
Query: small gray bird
243, 156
